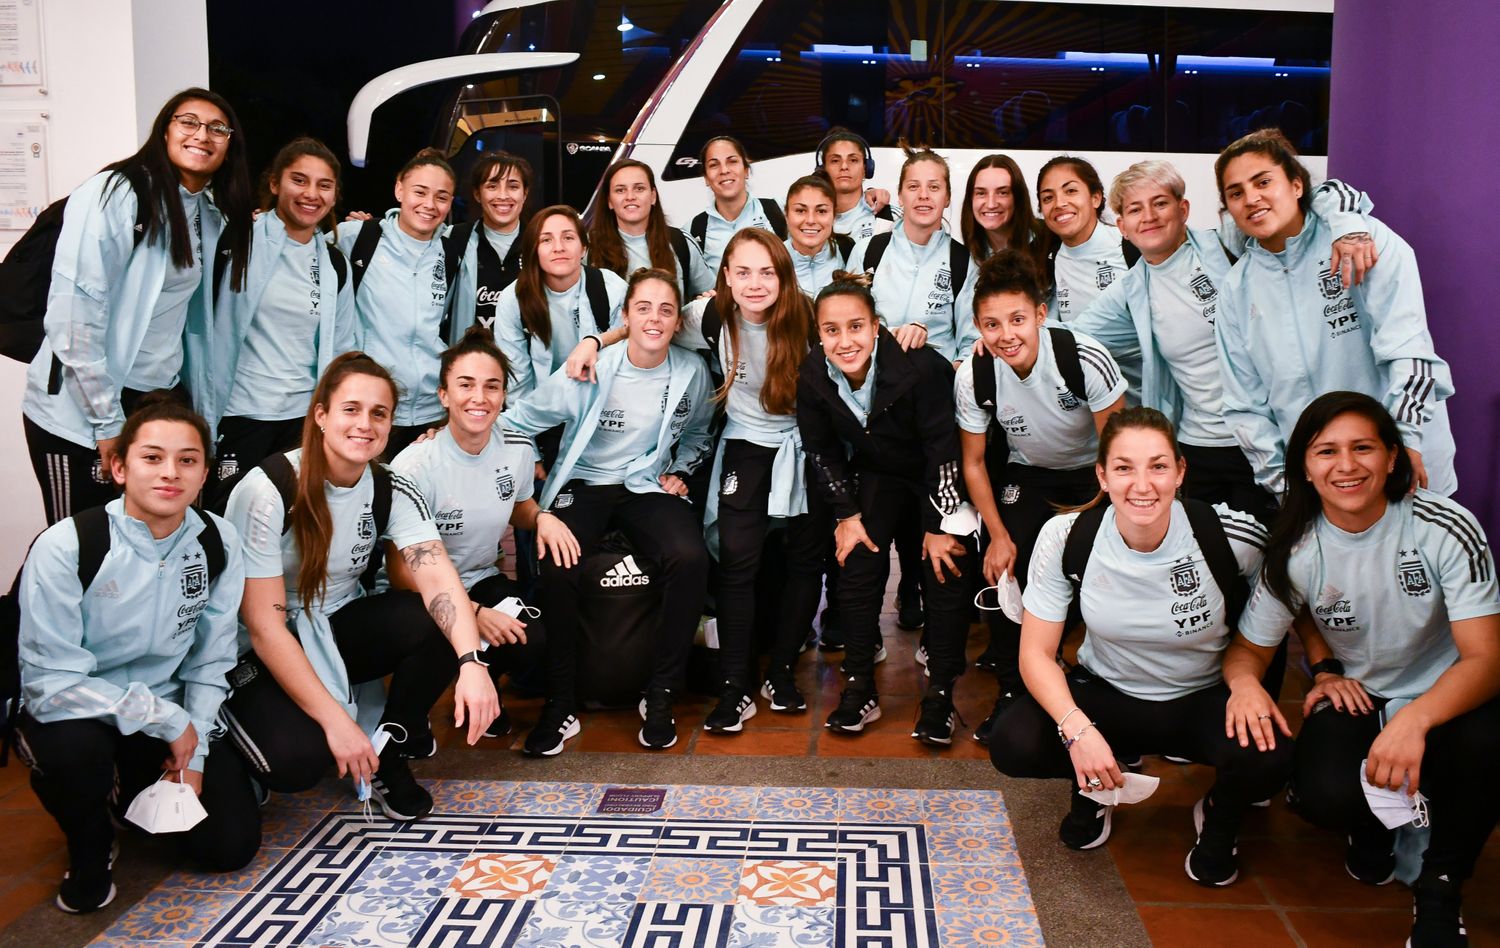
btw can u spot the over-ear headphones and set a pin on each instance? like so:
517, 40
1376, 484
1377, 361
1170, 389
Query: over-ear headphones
844, 135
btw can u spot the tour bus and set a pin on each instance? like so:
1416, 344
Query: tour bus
555, 80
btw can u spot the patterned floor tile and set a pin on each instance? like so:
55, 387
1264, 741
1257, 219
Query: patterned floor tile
797, 803
241, 880
409, 875
772, 926
686, 879
171, 915
788, 883
371, 920
971, 844
471, 796
712, 803
328, 795
503, 876
597, 879
967, 929
535, 798
285, 828
973, 888
472, 923
677, 923
880, 805
556, 923
963, 806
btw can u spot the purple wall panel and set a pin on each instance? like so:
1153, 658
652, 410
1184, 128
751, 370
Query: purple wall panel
1415, 121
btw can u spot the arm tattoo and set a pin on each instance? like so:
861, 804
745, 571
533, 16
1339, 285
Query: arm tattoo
420, 554
443, 611
279, 607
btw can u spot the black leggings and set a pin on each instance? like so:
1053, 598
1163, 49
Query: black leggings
73, 770
522, 660
387, 634
744, 492
1024, 742
243, 443
1025, 496
884, 503
661, 527
1460, 767
1221, 475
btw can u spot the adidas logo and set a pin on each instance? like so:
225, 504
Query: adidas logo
625, 573
109, 590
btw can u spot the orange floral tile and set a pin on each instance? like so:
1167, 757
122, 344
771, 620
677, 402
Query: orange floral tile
788, 883
512, 876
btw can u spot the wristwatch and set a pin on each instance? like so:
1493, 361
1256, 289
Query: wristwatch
1330, 665
475, 656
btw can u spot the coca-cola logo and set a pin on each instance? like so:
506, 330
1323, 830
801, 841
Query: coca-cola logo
487, 296
1341, 607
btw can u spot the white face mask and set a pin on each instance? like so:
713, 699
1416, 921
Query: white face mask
1393, 808
1137, 788
166, 807
1007, 595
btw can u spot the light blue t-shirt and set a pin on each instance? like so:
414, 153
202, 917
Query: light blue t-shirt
1045, 424
160, 360
278, 365
698, 279
629, 423
815, 272
1155, 620
471, 496
500, 240
1386, 599
1184, 305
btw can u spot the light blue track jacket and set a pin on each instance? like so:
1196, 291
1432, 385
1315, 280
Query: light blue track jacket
466, 284
1289, 331
104, 290
147, 646
1121, 317
399, 308
913, 285
682, 443
238, 309
531, 361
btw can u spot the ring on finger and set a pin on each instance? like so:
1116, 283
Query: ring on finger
1095, 783
1263, 717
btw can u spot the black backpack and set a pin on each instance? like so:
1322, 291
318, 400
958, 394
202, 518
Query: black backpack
283, 477
1069, 366
222, 257
94, 541
26, 272
594, 291
1208, 530
364, 249
772, 210
494, 273
958, 259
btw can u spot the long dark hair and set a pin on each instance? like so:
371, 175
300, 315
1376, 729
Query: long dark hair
606, 249
310, 519
303, 147
230, 187
1301, 505
531, 295
788, 324
1021, 231
1086, 172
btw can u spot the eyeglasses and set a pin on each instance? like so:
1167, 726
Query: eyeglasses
190, 123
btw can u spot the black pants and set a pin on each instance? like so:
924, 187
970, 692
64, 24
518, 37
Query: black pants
1221, 475
388, 634
523, 660
659, 526
1024, 740
1025, 496
1460, 768
243, 443
885, 503
73, 770
914, 577
744, 493
71, 476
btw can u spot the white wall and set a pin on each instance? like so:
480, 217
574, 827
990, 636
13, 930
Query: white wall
108, 65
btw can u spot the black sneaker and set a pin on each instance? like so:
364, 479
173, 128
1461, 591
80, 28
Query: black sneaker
781, 691
419, 746
858, 706
1214, 859
88, 888
1087, 823
910, 615
500, 726
1370, 856
556, 725
1437, 920
881, 654
982, 732
832, 627
987, 661
936, 718
396, 790
735, 707
660, 730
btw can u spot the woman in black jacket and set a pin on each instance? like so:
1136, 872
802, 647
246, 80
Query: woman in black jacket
878, 429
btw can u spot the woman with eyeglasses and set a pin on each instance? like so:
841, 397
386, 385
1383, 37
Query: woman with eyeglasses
127, 292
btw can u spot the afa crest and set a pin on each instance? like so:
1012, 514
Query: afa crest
505, 486
943, 281
367, 526
1203, 288
1185, 580
1330, 285
1104, 277
194, 580
1413, 576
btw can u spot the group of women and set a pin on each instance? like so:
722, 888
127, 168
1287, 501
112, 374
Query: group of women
865, 380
